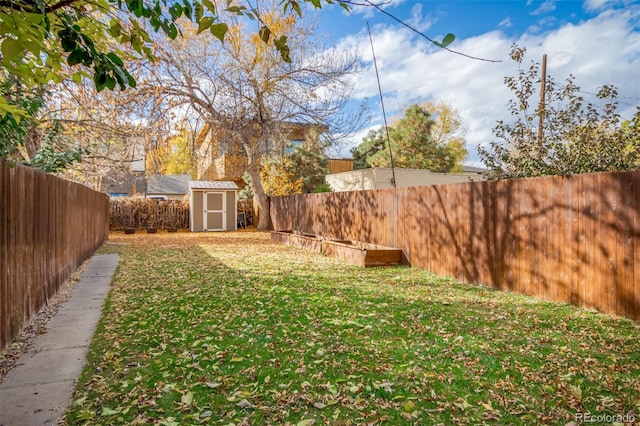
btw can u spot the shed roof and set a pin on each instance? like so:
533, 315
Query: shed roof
168, 184
213, 184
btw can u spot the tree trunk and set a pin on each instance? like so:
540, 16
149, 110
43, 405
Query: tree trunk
264, 218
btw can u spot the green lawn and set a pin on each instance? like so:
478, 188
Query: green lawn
230, 328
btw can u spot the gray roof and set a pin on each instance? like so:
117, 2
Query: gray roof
213, 184
473, 169
123, 183
168, 184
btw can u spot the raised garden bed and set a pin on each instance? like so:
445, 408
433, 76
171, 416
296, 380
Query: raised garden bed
355, 252
298, 239
362, 254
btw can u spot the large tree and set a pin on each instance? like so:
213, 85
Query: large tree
26, 139
425, 137
47, 42
115, 129
70, 126
577, 136
94, 37
245, 90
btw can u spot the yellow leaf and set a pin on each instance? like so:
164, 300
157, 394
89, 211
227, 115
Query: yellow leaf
487, 406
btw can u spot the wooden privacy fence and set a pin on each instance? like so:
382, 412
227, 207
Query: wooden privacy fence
140, 212
245, 207
48, 227
569, 239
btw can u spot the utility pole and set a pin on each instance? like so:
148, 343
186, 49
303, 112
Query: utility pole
543, 85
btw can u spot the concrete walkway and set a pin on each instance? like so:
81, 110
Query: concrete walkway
39, 389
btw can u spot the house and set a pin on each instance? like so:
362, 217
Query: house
126, 176
221, 156
123, 184
168, 187
378, 178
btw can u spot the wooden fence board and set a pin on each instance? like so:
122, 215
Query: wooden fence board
523, 257
577, 242
602, 248
536, 226
513, 193
563, 234
570, 239
591, 261
499, 203
619, 202
23, 246
629, 255
4, 244
479, 218
542, 224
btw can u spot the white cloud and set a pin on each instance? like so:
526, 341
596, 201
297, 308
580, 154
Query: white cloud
418, 20
597, 5
505, 23
546, 7
343, 148
602, 50
367, 11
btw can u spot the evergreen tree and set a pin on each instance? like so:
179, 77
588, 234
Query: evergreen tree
415, 144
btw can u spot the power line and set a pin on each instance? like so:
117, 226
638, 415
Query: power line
400, 21
384, 115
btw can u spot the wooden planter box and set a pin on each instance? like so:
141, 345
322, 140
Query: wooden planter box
355, 252
296, 239
362, 254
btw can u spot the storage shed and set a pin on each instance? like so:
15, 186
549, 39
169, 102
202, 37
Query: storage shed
213, 206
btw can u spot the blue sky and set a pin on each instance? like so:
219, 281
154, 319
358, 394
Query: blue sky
597, 41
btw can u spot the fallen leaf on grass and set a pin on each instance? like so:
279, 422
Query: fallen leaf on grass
187, 399
106, 411
243, 403
405, 344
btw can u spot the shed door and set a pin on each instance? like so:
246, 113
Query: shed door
214, 211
